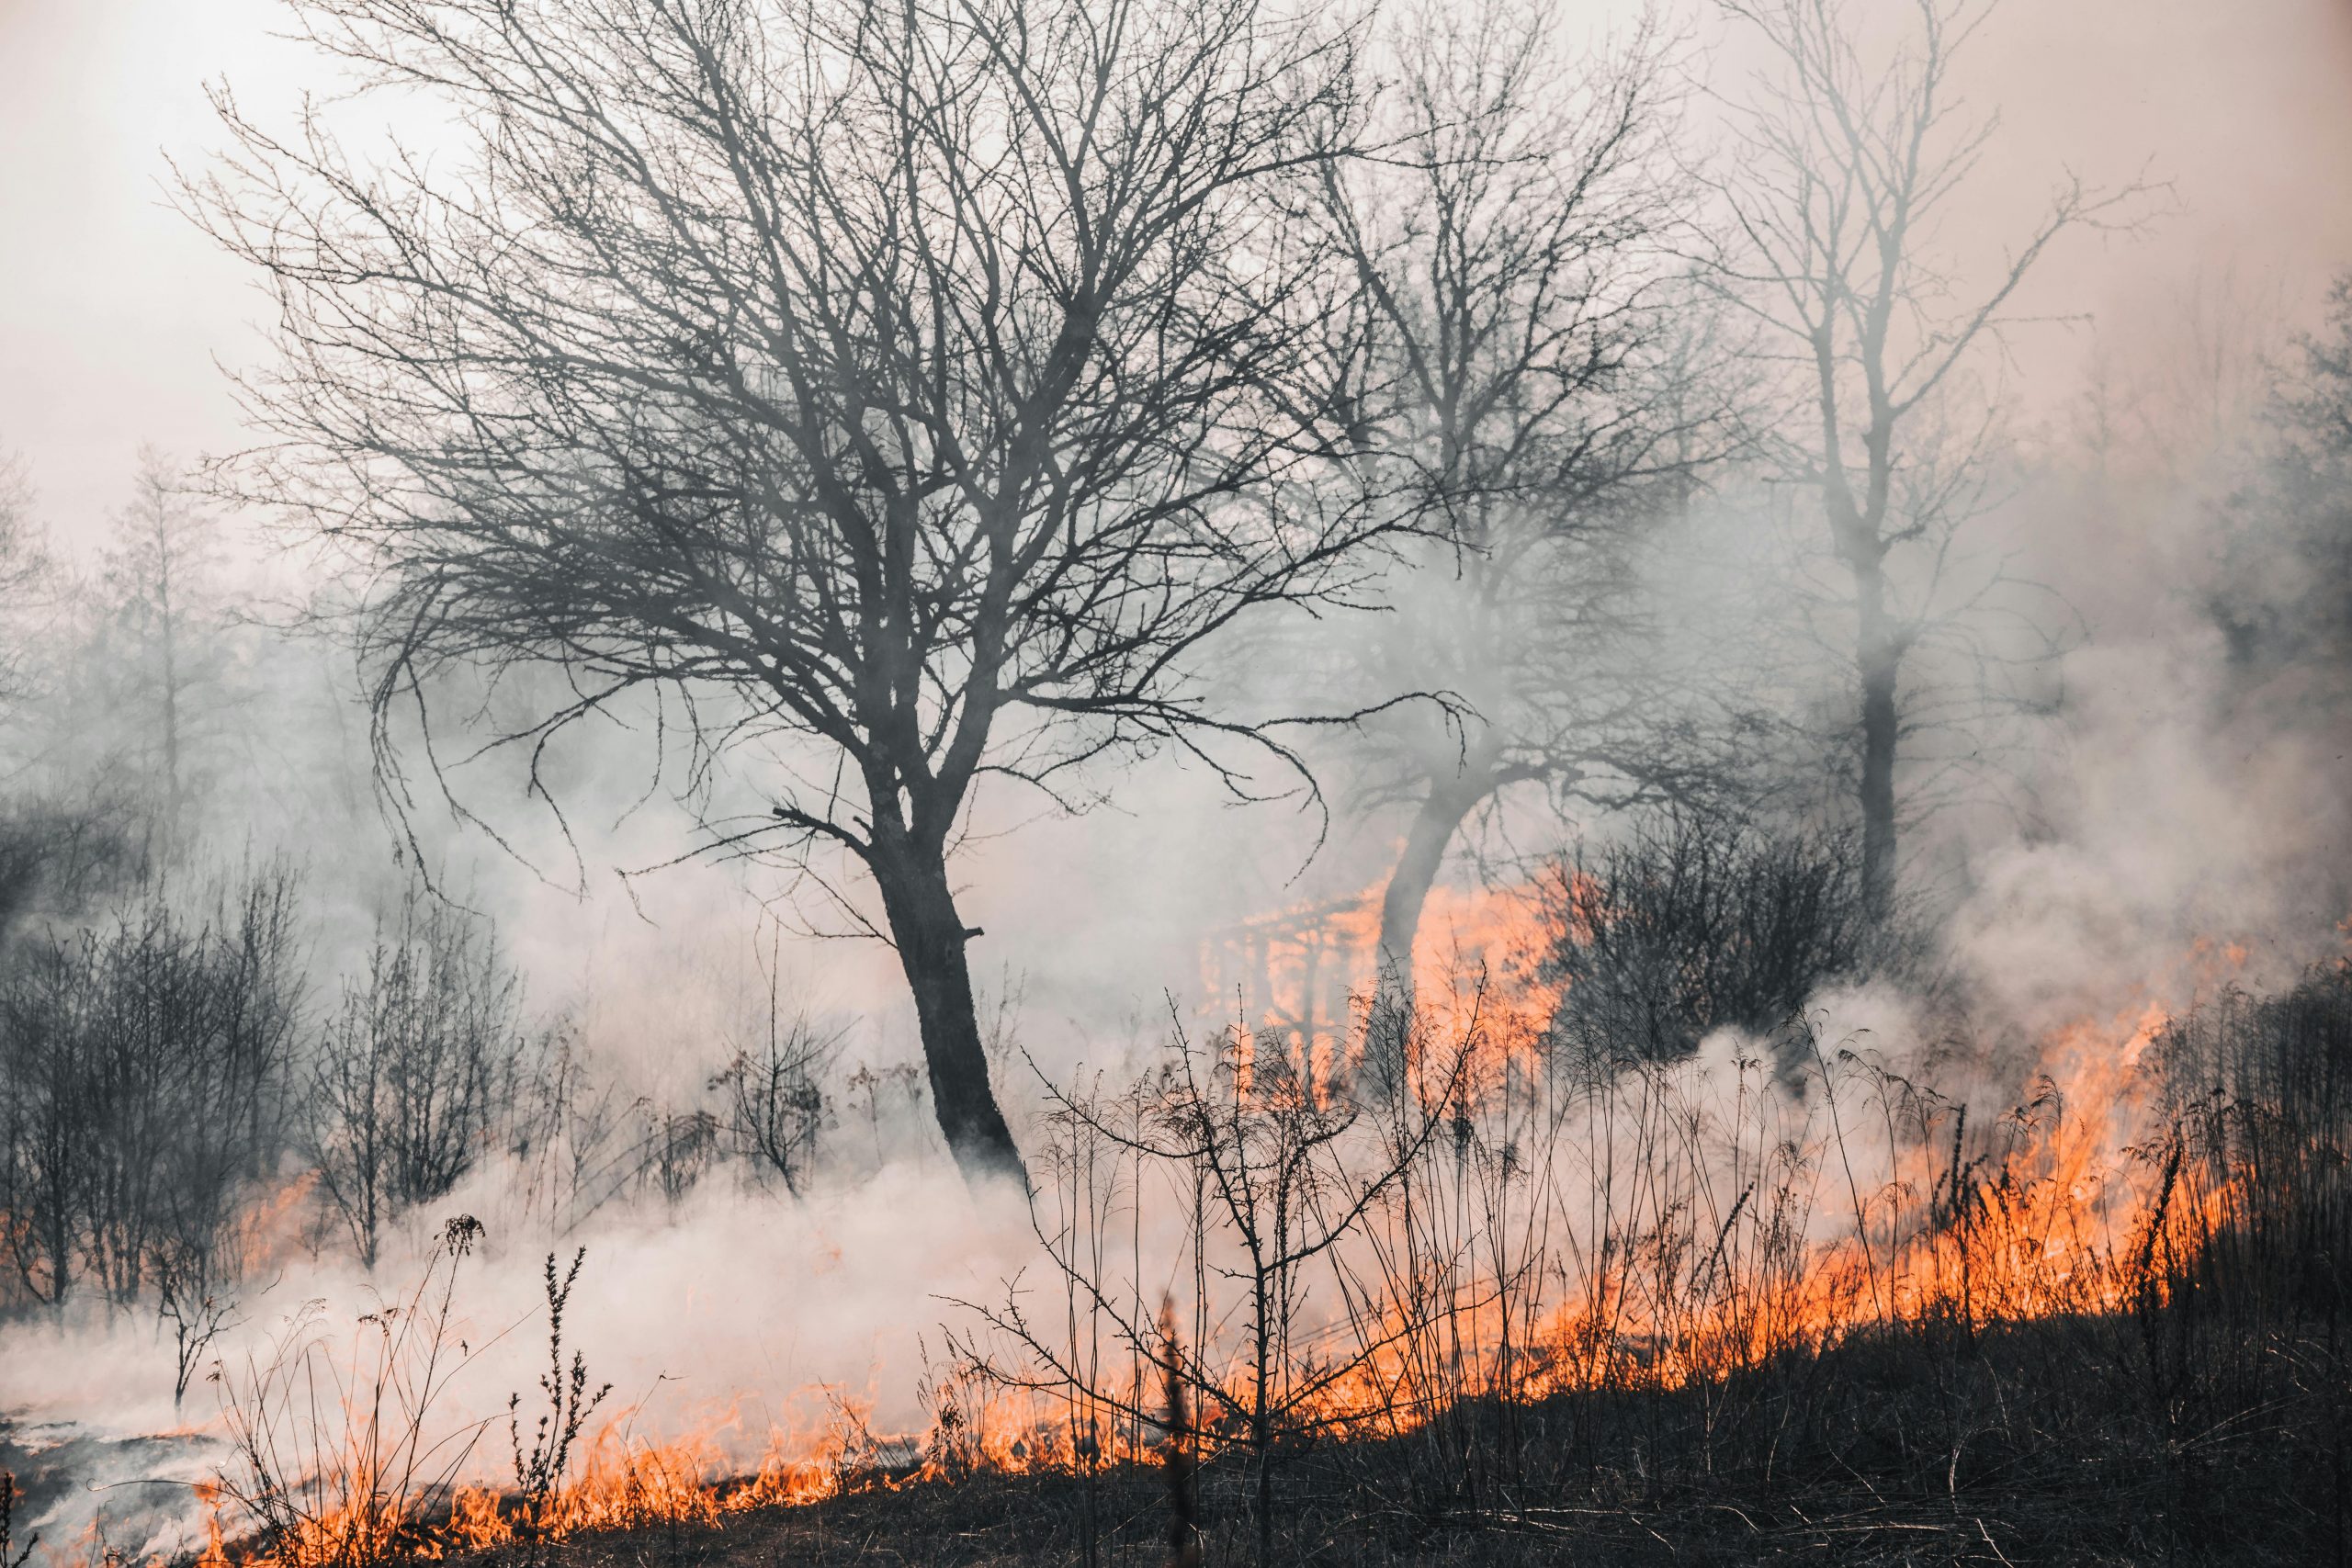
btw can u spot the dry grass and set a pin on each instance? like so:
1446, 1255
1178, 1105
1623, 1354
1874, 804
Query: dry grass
1756, 1339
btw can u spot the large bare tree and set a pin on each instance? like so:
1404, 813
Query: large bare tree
1528, 399
1847, 171
897, 392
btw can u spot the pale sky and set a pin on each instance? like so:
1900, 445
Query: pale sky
113, 309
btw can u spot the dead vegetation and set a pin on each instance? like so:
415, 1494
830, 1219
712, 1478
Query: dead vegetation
1404, 1346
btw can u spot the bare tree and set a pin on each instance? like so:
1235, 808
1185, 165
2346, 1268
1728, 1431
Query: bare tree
65, 843
1847, 168
1527, 398
907, 388
774, 1100
167, 628
2284, 592
416, 1079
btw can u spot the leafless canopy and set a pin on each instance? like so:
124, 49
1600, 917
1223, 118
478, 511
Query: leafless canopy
1512, 227
912, 386
1534, 389
1845, 171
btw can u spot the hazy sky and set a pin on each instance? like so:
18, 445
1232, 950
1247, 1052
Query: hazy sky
113, 310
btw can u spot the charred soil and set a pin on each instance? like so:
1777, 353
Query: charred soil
2053, 1442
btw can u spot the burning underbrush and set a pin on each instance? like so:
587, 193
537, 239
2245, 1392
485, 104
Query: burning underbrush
1528, 1290
361, 1453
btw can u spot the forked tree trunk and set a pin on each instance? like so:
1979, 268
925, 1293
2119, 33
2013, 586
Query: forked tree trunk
929, 934
1426, 841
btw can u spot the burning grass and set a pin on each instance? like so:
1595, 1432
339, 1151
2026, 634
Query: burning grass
345, 1462
1776, 1297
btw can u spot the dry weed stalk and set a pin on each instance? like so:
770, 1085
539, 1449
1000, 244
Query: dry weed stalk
539, 1472
340, 1467
11, 1555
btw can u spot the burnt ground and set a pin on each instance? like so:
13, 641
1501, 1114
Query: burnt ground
2181, 1436
2050, 1445
1040, 1519
1003, 1520
85, 1493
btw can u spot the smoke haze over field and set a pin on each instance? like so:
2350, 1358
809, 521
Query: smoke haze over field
116, 308
2153, 813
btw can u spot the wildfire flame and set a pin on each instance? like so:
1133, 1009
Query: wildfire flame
1768, 1231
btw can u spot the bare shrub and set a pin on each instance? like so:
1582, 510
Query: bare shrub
60, 860
679, 1149
145, 1079
1690, 924
1271, 1170
773, 1100
569, 1134
415, 1078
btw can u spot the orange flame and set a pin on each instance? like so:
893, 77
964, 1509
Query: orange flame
1767, 1217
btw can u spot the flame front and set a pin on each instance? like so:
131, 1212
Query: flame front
1655, 1225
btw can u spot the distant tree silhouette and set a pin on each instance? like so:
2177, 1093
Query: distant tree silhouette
1843, 169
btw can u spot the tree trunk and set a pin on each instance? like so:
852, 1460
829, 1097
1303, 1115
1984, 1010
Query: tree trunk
1878, 655
930, 936
1265, 1440
1262, 1406
1434, 825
